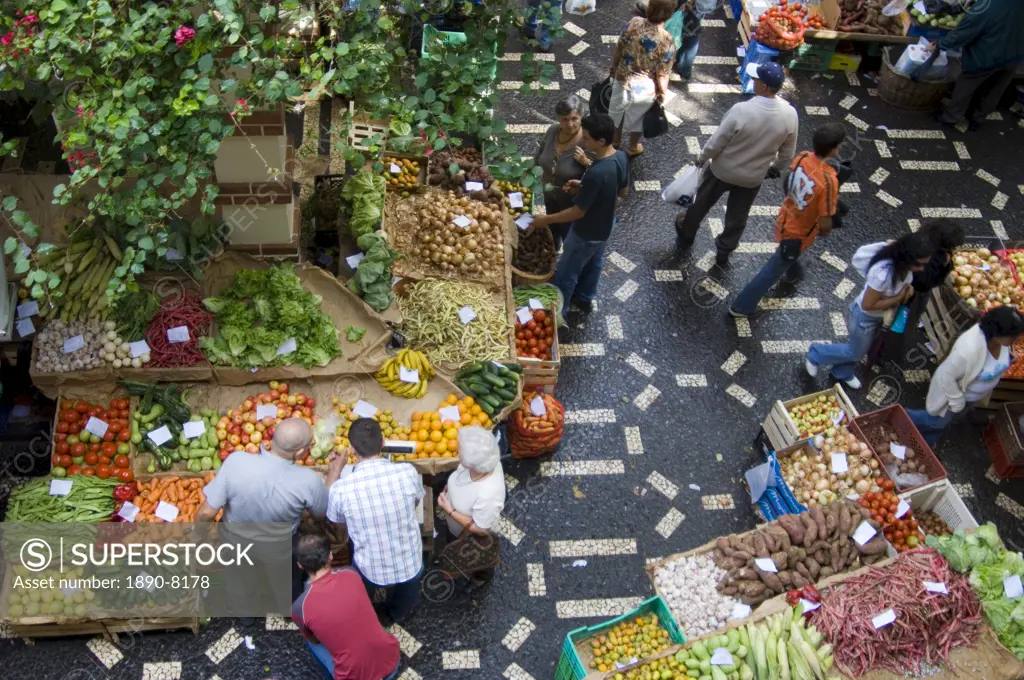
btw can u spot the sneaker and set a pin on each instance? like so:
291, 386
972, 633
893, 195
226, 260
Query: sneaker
853, 383
812, 369
722, 259
585, 306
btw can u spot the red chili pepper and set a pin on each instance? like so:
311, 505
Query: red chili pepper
810, 593
125, 492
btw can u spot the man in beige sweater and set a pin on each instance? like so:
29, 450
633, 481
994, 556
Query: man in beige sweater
756, 137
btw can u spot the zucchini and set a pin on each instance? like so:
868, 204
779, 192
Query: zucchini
493, 379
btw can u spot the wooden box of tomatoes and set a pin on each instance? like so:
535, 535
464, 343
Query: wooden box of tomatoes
91, 435
537, 349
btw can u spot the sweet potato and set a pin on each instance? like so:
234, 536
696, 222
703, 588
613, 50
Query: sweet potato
819, 519
737, 561
794, 527
845, 519
741, 555
832, 518
723, 545
802, 570
836, 559
771, 580
780, 535
771, 541
875, 546
754, 599
825, 573
820, 545
747, 574
780, 559
823, 557
786, 577
730, 590
792, 557
799, 580
720, 560
760, 547
810, 529
751, 588
813, 568
739, 544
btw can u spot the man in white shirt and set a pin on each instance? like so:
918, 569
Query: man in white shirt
377, 503
756, 137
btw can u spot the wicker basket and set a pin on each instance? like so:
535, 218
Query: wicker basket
521, 278
897, 89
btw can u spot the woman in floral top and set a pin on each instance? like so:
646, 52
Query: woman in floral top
640, 69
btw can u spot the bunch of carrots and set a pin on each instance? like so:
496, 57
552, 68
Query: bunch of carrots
185, 493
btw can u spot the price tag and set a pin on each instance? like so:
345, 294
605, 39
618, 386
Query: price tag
840, 463
166, 511
808, 606
474, 186
524, 315
619, 665
128, 511
96, 426
864, 533
537, 407
177, 334
354, 260
287, 347
515, 199
883, 619
535, 303
60, 487
765, 564
739, 611
193, 429
160, 435
1012, 587
920, 7
395, 169
139, 348
27, 309
364, 409
173, 254
409, 375
266, 411
524, 220
902, 508
73, 344
741, 52
934, 587
461, 221
721, 657
838, 418
450, 413
466, 314
395, 280
898, 450
25, 327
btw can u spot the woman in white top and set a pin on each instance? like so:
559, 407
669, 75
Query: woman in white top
975, 364
889, 274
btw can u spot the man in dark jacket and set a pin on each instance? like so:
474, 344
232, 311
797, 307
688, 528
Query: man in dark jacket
991, 39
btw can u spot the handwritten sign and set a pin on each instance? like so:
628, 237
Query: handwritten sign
537, 407
840, 464
73, 344
266, 411
193, 429
474, 186
765, 564
177, 334
883, 619
524, 220
139, 348
395, 170
902, 508
287, 347
898, 450
935, 587
1012, 586
721, 657
128, 511
26, 309
461, 221
524, 315
808, 606
515, 199
838, 418
60, 487
407, 375
535, 303
166, 511
864, 533
96, 426
364, 409
354, 260
466, 314
450, 413
25, 327
739, 611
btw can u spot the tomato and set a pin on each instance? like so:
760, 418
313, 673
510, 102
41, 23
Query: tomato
102, 471
69, 416
89, 471
74, 470
531, 325
64, 461
94, 448
91, 459
109, 449
67, 403
124, 435
74, 428
62, 426
121, 404
125, 476
78, 449
63, 447
121, 461
115, 427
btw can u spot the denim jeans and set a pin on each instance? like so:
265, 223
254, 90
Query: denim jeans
579, 269
933, 427
771, 272
685, 56
843, 358
538, 29
401, 597
326, 663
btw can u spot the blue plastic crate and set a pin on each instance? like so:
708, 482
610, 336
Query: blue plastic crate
930, 32
756, 54
737, 8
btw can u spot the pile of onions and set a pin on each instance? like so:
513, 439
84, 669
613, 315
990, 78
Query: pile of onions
983, 281
811, 479
475, 250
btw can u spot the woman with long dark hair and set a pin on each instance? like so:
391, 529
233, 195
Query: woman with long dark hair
888, 268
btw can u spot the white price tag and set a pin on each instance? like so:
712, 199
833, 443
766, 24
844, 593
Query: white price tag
287, 347
450, 413
25, 327
1012, 586
721, 657
524, 220
883, 619
139, 348
73, 344
808, 606
920, 7
537, 407
173, 254
898, 450
166, 511
739, 611
474, 186
395, 280
407, 375
515, 199
354, 260
934, 587
177, 334
524, 315
902, 508
864, 533
535, 304
60, 487
160, 435
766, 565
96, 426
27, 309
128, 511
461, 221
838, 418
741, 52
364, 409
619, 665
466, 314
840, 464
395, 169
193, 429
266, 411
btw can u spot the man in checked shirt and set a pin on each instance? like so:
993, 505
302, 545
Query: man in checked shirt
377, 503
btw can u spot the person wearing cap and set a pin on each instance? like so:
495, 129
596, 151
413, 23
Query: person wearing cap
756, 137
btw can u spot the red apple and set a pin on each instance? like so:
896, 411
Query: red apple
244, 438
252, 448
283, 388
300, 399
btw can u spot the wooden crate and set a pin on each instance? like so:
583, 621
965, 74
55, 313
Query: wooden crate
541, 375
780, 428
421, 176
362, 128
108, 628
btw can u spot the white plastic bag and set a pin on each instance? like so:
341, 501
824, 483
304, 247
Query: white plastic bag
683, 188
580, 7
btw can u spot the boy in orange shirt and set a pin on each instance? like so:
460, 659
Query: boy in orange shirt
812, 195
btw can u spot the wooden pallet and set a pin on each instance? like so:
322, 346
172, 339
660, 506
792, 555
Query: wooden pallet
362, 129
541, 375
108, 628
944, 319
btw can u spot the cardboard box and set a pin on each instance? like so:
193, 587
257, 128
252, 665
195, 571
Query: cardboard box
844, 62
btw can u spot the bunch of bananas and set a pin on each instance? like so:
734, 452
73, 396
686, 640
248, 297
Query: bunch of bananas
85, 267
390, 376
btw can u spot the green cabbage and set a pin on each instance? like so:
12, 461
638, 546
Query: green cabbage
964, 551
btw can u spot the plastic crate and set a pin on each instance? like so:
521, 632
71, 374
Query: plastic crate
430, 34
866, 428
1007, 428
812, 56
1001, 463
571, 666
942, 499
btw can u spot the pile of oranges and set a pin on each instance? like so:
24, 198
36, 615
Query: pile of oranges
436, 437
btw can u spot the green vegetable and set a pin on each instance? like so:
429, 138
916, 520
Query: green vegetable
373, 277
965, 551
353, 334
365, 192
91, 499
132, 310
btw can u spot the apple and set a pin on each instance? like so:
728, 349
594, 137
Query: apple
292, 400
235, 439
274, 384
307, 412
274, 395
252, 448
234, 429
237, 419
256, 437
268, 421
234, 413
265, 398
248, 417
270, 432
311, 402
222, 435
247, 405
300, 399
296, 414
245, 438
282, 413
248, 428
260, 427
283, 388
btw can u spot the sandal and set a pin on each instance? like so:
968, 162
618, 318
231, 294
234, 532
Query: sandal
635, 151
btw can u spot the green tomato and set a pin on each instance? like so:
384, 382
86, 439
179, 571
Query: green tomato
77, 460
123, 449
58, 472
84, 437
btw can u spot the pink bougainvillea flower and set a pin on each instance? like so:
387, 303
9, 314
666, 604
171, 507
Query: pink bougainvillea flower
183, 35
79, 110
30, 19
243, 104
6, 39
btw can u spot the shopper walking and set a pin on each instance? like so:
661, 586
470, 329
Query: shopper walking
336, 617
755, 137
688, 43
812, 194
592, 215
888, 268
991, 39
967, 376
562, 158
639, 72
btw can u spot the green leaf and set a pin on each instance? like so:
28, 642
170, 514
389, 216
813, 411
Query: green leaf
439, 144
43, 71
10, 203
384, 23
10, 244
205, 63
37, 291
146, 243
267, 13
53, 282
430, 96
21, 266
58, 6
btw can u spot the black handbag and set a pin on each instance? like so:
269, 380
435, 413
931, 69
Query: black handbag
655, 121
600, 95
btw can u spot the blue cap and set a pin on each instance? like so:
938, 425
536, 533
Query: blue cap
770, 73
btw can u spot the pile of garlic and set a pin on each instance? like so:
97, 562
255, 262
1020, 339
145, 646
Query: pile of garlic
810, 476
50, 346
117, 352
688, 586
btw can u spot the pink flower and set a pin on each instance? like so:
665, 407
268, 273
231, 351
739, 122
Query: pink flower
243, 104
6, 39
30, 19
79, 110
183, 35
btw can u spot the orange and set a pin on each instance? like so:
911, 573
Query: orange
451, 433
435, 436
453, 446
435, 417
477, 421
468, 401
466, 419
452, 399
422, 435
419, 447
442, 447
476, 409
416, 415
447, 424
428, 447
435, 426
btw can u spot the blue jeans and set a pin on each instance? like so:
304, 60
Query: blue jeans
326, 663
537, 28
401, 597
579, 269
933, 427
685, 56
771, 272
843, 358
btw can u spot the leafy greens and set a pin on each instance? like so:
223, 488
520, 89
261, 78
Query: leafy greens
365, 193
372, 280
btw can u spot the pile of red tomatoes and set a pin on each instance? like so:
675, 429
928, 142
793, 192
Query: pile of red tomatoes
536, 339
79, 452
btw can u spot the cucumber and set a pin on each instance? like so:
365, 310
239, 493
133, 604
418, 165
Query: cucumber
485, 407
502, 370
515, 368
504, 394
474, 367
466, 389
491, 399
493, 380
479, 388
489, 369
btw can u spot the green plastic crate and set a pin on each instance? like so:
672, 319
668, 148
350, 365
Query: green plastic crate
813, 56
570, 666
451, 38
